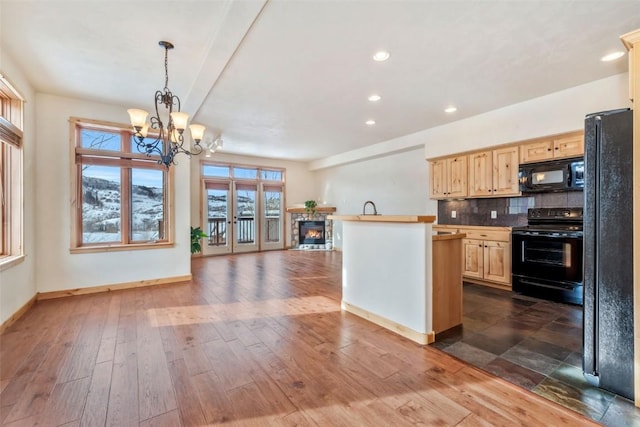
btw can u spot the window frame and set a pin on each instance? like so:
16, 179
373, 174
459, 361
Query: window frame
11, 176
126, 160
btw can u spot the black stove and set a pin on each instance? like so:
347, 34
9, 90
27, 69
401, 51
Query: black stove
547, 254
552, 221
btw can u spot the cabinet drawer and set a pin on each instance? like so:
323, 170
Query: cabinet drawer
493, 235
478, 233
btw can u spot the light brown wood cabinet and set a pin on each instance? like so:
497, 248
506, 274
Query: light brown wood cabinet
494, 173
448, 178
486, 254
487, 260
447, 282
563, 146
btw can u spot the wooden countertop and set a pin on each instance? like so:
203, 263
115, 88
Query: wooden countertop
439, 235
385, 218
452, 227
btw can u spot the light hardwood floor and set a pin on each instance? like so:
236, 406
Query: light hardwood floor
255, 339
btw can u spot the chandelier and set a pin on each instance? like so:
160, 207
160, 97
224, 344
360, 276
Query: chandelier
170, 140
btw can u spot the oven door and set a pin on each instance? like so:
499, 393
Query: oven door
550, 256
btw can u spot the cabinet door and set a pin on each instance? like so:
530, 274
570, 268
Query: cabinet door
570, 146
536, 151
505, 172
438, 179
497, 261
457, 182
481, 174
472, 263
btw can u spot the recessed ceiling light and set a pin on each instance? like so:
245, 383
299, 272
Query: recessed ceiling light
382, 55
450, 110
370, 122
612, 56
374, 98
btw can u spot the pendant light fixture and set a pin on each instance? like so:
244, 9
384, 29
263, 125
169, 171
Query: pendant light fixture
170, 140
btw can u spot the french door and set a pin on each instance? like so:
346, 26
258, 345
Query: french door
242, 216
245, 221
272, 216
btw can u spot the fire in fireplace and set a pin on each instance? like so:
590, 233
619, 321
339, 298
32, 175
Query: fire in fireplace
311, 232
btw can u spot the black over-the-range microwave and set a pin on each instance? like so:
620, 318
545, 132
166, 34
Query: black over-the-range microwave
553, 175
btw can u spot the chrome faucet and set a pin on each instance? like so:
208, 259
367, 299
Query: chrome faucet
364, 208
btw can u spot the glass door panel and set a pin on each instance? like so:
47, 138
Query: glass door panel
217, 218
272, 236
245, 221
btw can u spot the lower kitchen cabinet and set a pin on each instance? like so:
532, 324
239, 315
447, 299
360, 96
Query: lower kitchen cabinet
486, 254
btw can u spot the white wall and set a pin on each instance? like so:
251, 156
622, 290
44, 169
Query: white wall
397, 179
18, 283
57, 268
299, 182
395, 184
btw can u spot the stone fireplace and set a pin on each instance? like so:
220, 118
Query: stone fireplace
311, 231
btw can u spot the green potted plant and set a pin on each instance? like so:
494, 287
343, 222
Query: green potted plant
196, 235
310, 206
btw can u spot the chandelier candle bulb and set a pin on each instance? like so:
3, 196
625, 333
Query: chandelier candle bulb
180, 120
197, 132
138, 118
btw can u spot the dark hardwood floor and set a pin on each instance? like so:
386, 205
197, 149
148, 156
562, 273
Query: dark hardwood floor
535, 344
254, 339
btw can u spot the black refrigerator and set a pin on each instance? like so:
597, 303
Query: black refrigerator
608, 251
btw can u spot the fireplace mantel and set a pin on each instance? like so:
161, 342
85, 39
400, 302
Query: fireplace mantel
318, 209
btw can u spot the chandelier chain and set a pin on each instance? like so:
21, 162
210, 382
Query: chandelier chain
166, 68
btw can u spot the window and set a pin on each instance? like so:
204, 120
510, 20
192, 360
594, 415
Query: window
122, 196
10, 174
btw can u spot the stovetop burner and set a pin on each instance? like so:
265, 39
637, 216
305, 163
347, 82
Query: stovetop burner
553, 220
550, 227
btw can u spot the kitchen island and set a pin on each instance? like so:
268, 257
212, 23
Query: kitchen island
388, 274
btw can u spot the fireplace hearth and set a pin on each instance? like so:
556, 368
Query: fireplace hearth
311, 232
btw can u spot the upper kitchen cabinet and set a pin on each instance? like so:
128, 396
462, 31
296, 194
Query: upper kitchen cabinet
494, 173
561, 146
448, 178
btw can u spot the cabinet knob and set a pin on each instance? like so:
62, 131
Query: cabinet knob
485, 246
556, 148
495, 190
548, 149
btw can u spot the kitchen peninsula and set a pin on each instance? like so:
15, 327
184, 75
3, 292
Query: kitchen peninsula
388, 274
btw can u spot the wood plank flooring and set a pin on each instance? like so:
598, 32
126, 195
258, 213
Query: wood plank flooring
255, 339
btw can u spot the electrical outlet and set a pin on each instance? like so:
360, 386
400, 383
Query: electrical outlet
494, 214
453, 214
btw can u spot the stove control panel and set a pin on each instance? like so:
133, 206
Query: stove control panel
555, 213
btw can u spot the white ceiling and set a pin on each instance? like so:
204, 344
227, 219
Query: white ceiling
290, 79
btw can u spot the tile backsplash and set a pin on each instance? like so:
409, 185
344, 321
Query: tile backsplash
511, 211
